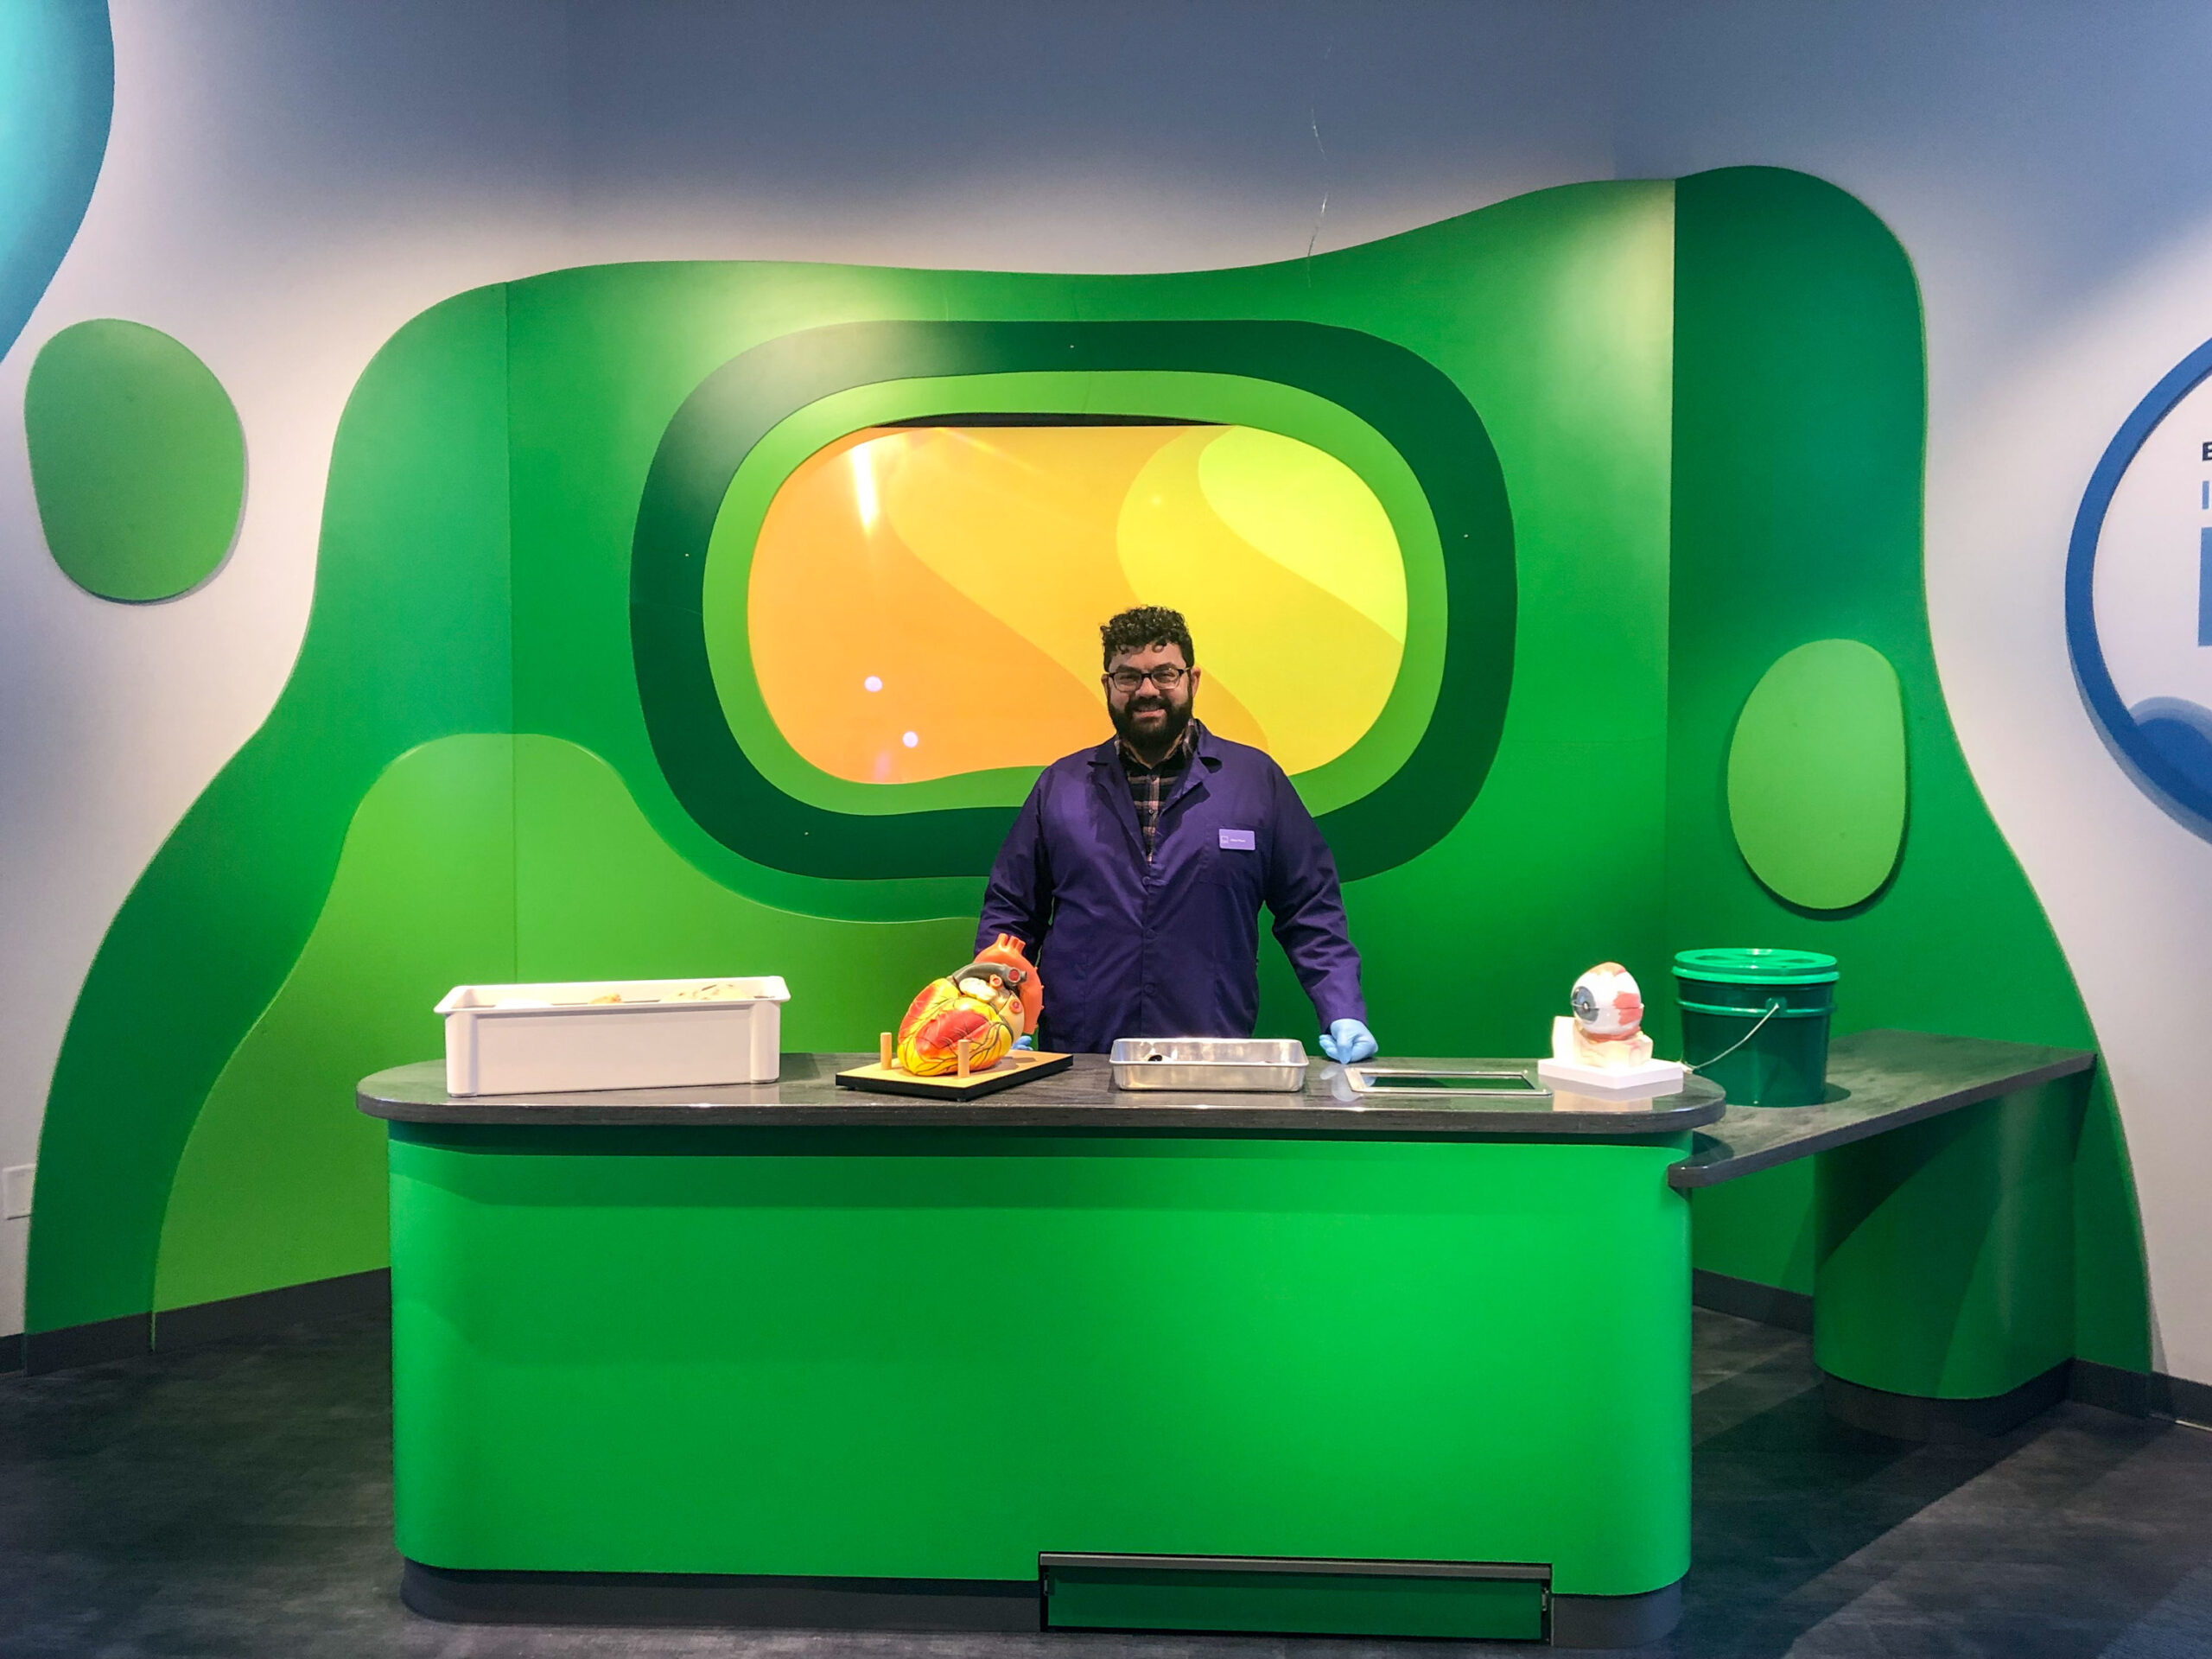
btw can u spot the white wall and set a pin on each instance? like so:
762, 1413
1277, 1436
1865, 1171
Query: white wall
290, 179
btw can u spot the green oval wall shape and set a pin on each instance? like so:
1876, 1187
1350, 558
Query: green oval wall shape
1816, 774
136, 460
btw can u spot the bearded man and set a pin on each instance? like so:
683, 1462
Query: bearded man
1136, 871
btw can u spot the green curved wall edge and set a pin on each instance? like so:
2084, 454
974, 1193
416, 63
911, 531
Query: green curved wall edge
408, 640
1800, 422
276, 1183
1817, 775
474, 858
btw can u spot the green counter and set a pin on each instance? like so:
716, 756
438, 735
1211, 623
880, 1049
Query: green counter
1977, 1209
1943, 1279
1070, 1358
1434, 1384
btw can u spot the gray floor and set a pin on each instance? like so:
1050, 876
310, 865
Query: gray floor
237, 1502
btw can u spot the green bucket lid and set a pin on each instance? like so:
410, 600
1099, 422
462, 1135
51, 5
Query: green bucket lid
1751, 966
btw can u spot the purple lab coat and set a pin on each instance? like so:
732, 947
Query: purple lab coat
1169, 949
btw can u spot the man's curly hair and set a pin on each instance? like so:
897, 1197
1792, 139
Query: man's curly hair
1146, 624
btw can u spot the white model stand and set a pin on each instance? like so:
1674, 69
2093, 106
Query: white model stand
1651, 1077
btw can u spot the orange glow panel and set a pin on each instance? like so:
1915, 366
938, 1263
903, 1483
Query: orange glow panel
925, 601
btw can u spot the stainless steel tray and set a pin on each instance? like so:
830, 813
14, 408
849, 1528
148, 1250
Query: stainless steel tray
1231, 1065
1475, 1082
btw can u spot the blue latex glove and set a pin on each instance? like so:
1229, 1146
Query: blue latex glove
1348, 1042
1027, 1039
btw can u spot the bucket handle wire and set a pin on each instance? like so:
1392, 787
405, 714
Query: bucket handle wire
1773, 1006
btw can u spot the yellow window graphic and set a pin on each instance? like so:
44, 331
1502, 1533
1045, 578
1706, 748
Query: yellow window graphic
925, 600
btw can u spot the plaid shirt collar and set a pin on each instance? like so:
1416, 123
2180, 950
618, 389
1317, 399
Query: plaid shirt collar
1149, 786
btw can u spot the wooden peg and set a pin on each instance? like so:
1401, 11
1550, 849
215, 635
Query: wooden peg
887, 1052
960, 1052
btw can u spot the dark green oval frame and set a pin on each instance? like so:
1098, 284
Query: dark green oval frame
1413, 405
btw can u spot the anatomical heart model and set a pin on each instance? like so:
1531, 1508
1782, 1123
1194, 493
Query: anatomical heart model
993, 1000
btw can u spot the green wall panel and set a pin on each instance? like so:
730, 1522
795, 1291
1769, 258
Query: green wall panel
1731, 367
475, 575
282, 1180
473, 859
600, 894
1546, 313
136, 460
1816, 775
1799, 427
407, 641
1567, 354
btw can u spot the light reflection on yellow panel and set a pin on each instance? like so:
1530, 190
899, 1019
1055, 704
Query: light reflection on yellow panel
925, 601
977, 504
877, 669
1028, 514
1309, 513
1313, 671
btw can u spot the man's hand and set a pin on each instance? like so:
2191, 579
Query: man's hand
1348, 1042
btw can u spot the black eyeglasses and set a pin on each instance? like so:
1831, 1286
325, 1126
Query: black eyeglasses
1166, 676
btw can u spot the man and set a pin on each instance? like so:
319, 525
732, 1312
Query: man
1136, 871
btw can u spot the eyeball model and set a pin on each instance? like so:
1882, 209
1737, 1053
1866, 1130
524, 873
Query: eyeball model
1601, 1045
1608, 1006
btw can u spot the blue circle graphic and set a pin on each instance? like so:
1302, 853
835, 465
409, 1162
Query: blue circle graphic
2165, 744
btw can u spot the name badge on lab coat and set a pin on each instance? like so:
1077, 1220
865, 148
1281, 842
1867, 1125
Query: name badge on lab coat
1238, 841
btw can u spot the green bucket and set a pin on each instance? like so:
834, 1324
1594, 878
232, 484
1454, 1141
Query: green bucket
1756, 1022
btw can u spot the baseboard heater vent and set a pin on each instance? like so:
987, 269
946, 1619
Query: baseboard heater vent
1286, 1596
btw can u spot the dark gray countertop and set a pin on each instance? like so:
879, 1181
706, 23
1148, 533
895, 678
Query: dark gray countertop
1882, 1079
1083, 1097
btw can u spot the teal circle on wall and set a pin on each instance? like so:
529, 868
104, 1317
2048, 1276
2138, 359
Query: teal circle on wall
1816, 775
136, 460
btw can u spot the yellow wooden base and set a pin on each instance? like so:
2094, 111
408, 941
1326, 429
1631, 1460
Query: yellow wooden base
1022, 1065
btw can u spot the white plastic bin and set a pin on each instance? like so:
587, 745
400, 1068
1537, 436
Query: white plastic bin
661, 1033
